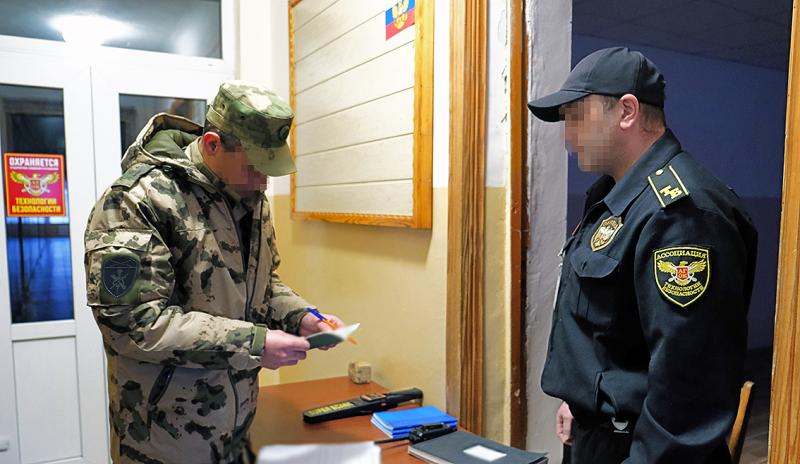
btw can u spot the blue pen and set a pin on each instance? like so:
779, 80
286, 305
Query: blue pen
331, 324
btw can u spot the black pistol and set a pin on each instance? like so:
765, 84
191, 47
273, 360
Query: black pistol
362, 405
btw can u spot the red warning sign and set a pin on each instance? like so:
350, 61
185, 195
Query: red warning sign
34, 185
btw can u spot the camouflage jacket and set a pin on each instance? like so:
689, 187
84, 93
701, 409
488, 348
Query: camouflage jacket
183, 319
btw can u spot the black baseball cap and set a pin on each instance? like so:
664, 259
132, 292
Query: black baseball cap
612, 71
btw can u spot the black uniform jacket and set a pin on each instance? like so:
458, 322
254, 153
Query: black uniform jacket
650, 320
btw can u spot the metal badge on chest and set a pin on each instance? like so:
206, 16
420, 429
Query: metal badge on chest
606, 232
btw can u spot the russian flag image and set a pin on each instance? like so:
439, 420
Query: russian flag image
399, 17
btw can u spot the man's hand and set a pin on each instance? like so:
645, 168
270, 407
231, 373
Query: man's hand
283, 349
311, 325
564, 424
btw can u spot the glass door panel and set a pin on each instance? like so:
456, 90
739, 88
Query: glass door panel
136, 110
36, 216
127, 97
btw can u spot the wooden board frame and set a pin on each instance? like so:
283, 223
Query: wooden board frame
423, 131
784, 423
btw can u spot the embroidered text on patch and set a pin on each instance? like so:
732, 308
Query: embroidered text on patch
682, 273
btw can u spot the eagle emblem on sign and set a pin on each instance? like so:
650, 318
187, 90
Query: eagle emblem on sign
682, 273
34, 185
400, 13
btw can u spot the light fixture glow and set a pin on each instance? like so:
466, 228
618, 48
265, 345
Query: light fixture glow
89, 30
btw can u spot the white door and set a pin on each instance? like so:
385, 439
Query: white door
53, 400
52, 381
59, 103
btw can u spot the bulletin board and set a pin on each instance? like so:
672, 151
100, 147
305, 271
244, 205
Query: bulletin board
362, 91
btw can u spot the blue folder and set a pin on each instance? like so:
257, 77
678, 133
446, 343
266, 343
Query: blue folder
398, 423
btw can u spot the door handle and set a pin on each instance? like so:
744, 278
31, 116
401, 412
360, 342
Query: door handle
4, 443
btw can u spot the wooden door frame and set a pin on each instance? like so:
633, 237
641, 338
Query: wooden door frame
519, 221
466, 202
465, 223
784, 436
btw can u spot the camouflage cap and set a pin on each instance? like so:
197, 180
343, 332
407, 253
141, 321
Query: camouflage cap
260, 119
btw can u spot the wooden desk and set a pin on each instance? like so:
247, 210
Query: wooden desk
279, 417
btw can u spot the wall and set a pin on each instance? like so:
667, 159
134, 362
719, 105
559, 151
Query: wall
731, 117
549, 29
392, 281
497, 267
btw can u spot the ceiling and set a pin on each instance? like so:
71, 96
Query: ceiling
185, 27
753, 32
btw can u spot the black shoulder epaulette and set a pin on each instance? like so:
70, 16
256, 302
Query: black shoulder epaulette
667, 186
132, 175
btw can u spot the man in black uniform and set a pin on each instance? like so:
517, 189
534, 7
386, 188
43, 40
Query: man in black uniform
649, 330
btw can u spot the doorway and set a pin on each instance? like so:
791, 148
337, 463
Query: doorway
726, 64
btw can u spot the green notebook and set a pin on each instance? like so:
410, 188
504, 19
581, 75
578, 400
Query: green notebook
331, 338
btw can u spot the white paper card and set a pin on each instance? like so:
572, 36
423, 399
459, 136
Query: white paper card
484, 454
344, 453
333, 337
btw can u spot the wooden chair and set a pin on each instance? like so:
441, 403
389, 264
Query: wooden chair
739, 430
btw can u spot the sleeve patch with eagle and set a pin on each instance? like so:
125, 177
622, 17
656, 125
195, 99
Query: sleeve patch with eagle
682, 273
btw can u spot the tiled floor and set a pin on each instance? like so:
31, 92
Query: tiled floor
758, 368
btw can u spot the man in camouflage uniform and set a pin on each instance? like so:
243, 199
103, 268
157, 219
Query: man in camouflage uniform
181, 277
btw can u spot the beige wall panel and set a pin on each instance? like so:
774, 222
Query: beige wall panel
389, 73
363, 43
306, 10
391, 280
393, 198
334, 22
388, 117
389, 159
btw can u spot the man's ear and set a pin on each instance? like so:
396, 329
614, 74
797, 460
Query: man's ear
212, 144
631, 111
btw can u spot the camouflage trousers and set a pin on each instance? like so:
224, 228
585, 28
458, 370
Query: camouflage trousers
248, 457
